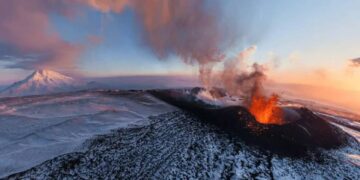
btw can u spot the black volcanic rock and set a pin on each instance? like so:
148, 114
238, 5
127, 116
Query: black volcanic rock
299, 134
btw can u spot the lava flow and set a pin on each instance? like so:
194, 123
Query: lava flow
265, 109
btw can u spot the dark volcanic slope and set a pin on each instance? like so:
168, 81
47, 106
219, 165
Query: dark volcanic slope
302, 132
176, 145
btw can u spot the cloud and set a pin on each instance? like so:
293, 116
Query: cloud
190, 29
107, 5
355, 62
25, 29
186, 28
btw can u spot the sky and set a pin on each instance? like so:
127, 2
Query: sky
305, 42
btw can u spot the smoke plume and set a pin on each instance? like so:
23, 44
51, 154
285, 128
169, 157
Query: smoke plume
191, 30
236, 78
240, 81
186, 28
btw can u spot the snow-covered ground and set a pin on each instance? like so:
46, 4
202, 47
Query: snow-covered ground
56, 135
177, 145
35, 129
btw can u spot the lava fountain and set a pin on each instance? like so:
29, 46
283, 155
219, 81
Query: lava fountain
265, 109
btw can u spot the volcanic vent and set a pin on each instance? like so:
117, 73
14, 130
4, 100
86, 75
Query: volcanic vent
300, 129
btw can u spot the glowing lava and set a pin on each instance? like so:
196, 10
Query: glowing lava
265, 109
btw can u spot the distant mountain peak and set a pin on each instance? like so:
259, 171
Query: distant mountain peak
41, 81
45, 76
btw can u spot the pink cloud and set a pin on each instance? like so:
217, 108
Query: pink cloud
24, 25
187, 28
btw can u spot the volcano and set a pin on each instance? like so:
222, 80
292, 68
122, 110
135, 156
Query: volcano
41, 82
301, 131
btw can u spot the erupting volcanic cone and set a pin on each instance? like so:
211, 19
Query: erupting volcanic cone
301, 129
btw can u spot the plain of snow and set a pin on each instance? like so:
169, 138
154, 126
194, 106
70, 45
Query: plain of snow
38, 128
178, 145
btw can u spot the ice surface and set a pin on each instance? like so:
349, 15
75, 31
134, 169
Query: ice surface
35, 129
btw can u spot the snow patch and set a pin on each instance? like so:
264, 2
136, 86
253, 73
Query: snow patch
39, 128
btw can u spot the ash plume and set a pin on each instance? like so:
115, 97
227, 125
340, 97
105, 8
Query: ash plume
247, 82
250, 83
192, 30
237, 79
186, 28
240, 81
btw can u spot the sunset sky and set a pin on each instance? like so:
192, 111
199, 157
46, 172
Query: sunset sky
306, 42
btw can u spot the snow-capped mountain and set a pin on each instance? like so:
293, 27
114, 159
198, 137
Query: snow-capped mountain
41, 82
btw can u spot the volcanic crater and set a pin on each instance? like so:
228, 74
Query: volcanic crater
300, 131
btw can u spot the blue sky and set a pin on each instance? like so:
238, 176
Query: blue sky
304, 35
121, 50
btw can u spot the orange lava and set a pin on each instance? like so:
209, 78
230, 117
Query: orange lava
265, 109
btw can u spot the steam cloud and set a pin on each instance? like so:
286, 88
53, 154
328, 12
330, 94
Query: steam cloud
190, 29
187, 28
238, 80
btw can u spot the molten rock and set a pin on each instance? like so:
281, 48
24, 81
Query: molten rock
300, 131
